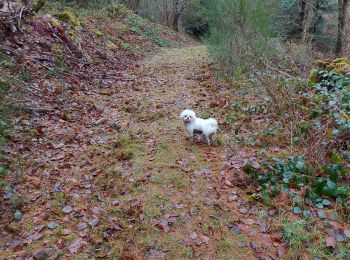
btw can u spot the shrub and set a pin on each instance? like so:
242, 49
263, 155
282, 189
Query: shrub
243, 42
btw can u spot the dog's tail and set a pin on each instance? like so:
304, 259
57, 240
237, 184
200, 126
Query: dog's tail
213, 123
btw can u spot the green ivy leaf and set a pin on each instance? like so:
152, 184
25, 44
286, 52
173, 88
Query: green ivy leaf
275, 191
300, 165
2, 170
335, 132
331, 184
326, 202
307, 214
319, 205
319, 185
17, 215
321, 214
329, 191
297, 210
342, 192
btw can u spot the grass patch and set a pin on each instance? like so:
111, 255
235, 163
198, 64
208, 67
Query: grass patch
128, 147
227, 247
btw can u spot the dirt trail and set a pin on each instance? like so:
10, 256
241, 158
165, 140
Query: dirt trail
131, 184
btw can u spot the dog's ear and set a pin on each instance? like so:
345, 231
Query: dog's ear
182, 115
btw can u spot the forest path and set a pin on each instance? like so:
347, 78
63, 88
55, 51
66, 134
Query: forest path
120, 179
188, 191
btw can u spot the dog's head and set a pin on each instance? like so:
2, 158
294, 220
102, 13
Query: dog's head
188, 116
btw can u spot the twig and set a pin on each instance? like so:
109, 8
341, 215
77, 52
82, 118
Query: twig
12, 102
20, 18
38, 109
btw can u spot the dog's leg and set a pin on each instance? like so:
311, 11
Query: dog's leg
211, 138
207, 138
191, 133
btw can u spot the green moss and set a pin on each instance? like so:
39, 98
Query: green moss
330, 67
313, 75
320, 64
111, 45
127, 147
97, 32
341, 60
72, 32
69, 17
54, 22
7, 64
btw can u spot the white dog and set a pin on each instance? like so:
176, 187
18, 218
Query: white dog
207, 127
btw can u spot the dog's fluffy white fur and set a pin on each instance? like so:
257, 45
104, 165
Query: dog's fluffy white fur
207, 127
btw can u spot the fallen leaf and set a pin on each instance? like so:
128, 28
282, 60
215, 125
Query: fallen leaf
232, 198
347, 233
282, 250
47, 253
330, 242
76, 246
205, 239
52, 225
66, 231
193, 235
248, 221
236, 230
93, 222
243, 210
67, 209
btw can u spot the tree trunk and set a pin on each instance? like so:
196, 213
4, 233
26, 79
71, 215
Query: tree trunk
132, 4
176, 21
302, 18
342, 7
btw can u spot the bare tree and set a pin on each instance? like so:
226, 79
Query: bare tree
342, 11
170, 12
178, 7
132, 4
